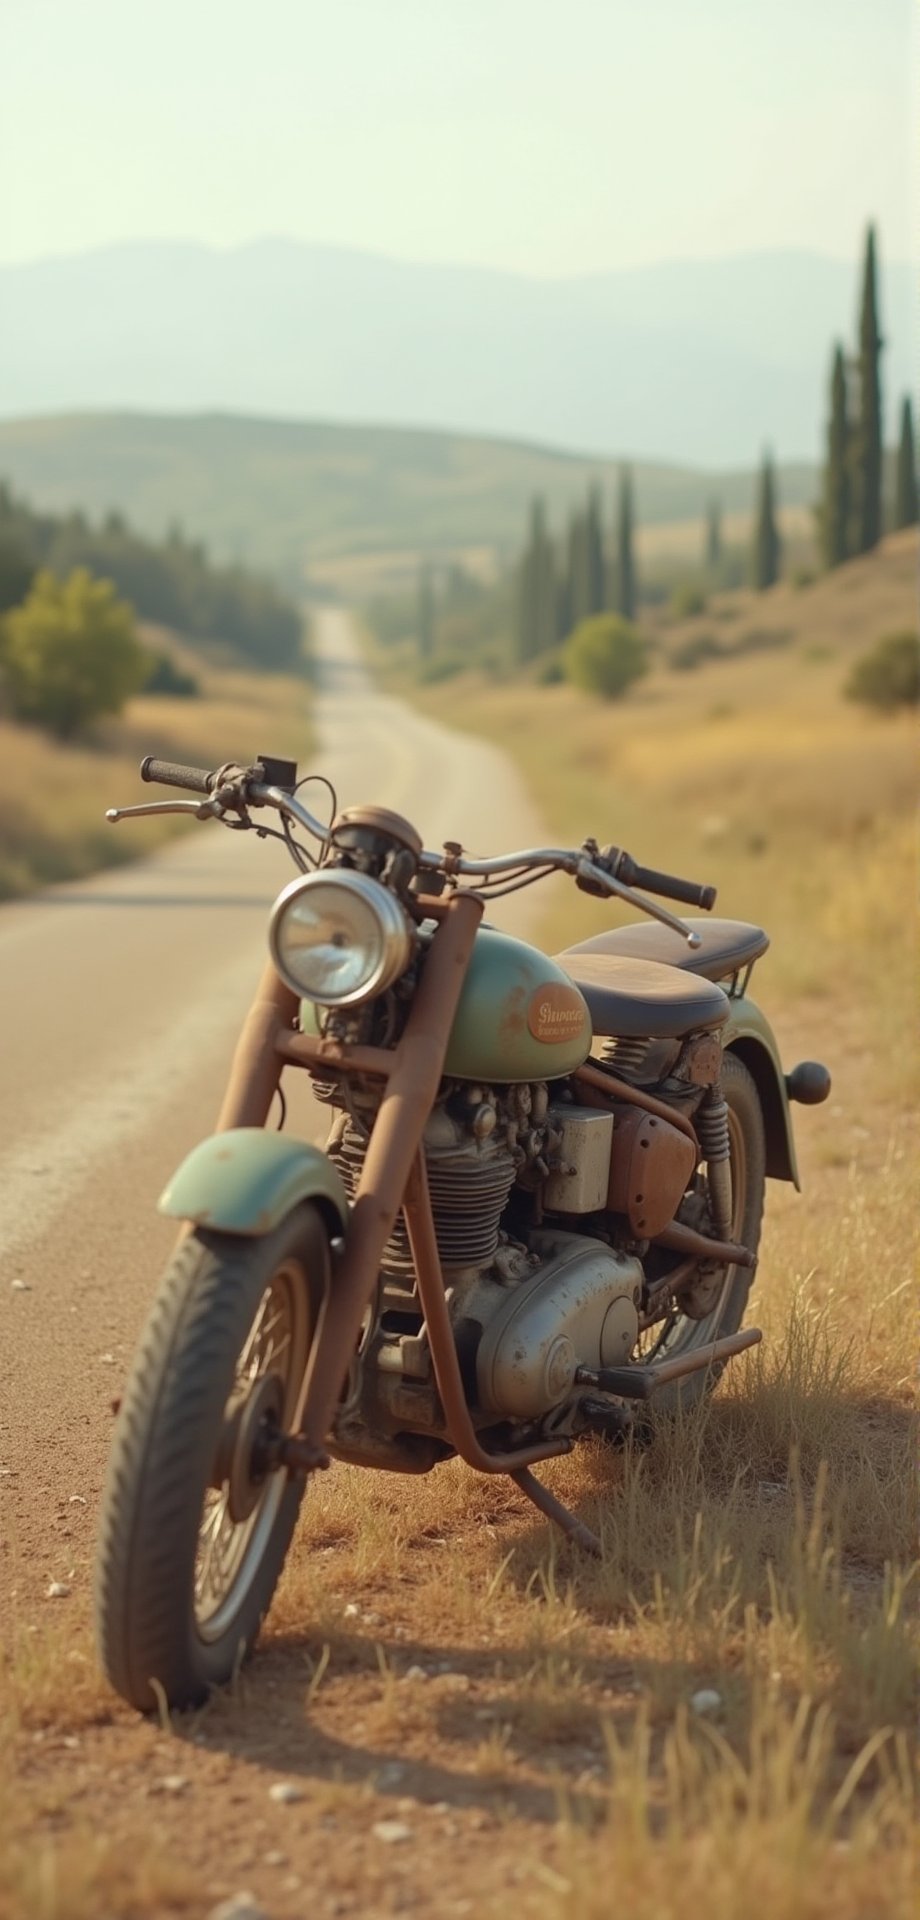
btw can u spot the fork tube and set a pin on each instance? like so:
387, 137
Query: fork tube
257, 1066
418, 1063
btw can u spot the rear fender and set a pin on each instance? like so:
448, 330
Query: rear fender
748, 1034
246, 1181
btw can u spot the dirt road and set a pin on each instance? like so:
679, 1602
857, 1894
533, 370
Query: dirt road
121, 1000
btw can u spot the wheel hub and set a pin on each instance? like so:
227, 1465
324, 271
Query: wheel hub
255, 1421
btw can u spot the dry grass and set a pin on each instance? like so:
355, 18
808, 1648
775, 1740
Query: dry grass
53, 796
548, 1751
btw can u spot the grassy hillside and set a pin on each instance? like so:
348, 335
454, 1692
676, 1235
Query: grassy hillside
53, 796
290, 496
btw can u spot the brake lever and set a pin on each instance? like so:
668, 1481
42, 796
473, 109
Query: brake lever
595, 880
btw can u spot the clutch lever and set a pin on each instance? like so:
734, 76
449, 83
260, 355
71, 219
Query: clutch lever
201, 809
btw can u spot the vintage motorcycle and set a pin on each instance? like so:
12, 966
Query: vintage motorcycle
538, 1209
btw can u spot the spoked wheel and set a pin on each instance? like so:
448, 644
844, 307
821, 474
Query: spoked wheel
730, 1286
197, 1516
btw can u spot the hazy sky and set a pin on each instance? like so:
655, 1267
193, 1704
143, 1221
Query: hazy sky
552, 136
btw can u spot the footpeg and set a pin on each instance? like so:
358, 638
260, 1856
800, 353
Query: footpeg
639, 1383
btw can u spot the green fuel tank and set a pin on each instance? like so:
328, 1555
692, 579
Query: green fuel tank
519, 1018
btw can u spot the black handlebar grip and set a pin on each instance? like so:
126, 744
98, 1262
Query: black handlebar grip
167, 773
689, 892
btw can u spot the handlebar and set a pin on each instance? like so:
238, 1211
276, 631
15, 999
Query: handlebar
601, 871
170, 773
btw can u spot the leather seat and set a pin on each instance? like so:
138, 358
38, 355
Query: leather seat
642, 998
727, 946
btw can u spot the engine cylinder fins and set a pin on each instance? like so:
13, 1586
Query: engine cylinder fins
626, 1055
469, 1192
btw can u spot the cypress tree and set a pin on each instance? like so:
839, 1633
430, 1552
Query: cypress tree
835, 510
713, 554
765, 549
594, 553
906, 505
564, 620
868, 436
536, 602
579, 594
626, 571
425, 619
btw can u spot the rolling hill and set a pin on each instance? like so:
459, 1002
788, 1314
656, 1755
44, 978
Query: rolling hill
291, 497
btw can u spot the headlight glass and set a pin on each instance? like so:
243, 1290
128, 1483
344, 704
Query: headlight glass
339, 938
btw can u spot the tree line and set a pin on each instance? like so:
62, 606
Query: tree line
172, 582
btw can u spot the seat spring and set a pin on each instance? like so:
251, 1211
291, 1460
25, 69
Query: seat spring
625, 1055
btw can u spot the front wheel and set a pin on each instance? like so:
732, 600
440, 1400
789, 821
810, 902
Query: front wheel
195, 1521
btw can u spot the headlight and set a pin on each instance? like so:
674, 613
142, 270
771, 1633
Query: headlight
339, 938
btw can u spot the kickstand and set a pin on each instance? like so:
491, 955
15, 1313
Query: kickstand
554, 1510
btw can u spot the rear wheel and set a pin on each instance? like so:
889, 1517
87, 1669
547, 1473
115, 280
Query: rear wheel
196, 1521
681, 1333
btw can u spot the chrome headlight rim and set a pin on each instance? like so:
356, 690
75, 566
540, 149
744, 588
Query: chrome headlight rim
393, 925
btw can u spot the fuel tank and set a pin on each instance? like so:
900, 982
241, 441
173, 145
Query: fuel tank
519, 1018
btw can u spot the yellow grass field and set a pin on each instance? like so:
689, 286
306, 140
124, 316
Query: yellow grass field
53, 796
436, 1655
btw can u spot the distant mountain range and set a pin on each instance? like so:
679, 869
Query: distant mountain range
700, 362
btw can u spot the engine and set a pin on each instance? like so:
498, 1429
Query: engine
528, 1303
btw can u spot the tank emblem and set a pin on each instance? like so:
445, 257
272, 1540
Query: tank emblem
556, 1013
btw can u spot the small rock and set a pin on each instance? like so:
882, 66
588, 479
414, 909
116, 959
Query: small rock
71, 1741
173, 1783
20, 1286
275, 1859
415, 1673
76, 1500
371, 1619
107, 1359
58, 1590
285, 1792
440, 1806
391, 1832
240, 1906
351, 1611
706, 1702
391, 1775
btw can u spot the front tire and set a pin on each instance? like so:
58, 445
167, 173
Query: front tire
195, 1524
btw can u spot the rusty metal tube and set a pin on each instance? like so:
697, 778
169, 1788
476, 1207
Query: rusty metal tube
332, 1056
686, 1240
418, 1062
256, 1067
430, 1280
616, 1089
686, 1363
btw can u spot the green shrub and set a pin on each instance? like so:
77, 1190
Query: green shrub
165, 677
445, 666
70, 653
605, 655
888, 676
551, 673
760, 640
692, 652
687, 600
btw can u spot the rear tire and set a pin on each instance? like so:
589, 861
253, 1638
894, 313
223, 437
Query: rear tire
231, 1325
748, 1164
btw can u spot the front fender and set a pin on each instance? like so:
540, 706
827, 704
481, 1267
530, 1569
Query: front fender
246, 1181
748, 1034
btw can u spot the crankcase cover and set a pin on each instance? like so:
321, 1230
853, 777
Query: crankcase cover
519, 1018
579, 1309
